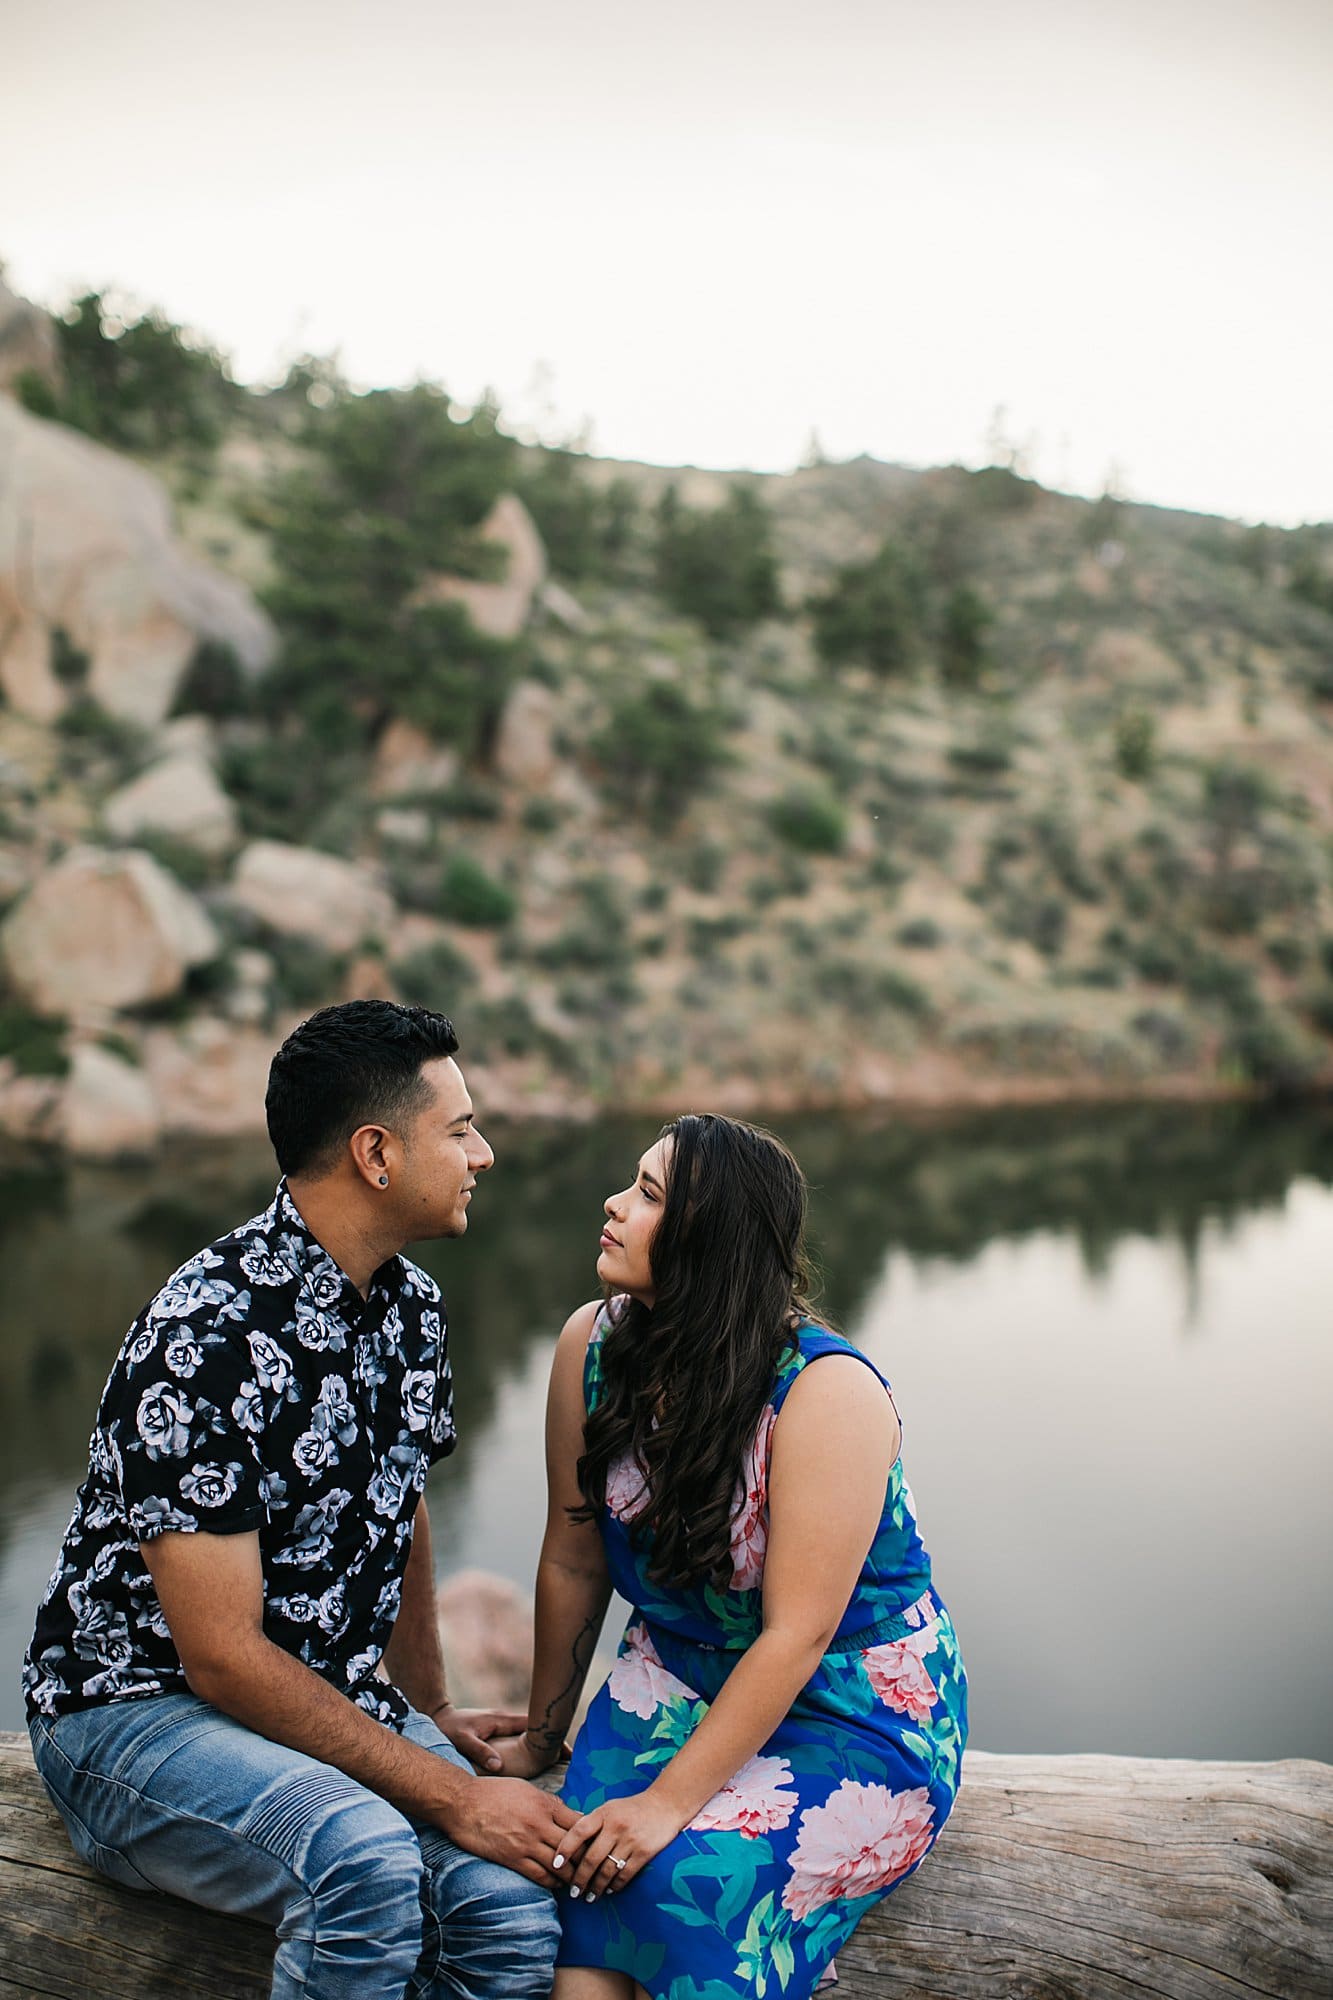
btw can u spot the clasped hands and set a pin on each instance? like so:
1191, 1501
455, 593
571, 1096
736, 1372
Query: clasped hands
598, 1852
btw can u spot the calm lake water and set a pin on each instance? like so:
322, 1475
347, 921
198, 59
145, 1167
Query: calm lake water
1109, 1334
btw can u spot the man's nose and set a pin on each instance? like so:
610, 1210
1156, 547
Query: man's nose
483, 1158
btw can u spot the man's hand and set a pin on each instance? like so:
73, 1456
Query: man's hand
471, 1730
512, 1822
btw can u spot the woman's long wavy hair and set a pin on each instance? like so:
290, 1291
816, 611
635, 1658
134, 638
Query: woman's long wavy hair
686, 1381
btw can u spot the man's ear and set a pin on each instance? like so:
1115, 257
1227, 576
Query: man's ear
373, 1152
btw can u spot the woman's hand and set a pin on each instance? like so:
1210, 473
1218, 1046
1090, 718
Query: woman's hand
472, 1731
621, 1837
518, 1758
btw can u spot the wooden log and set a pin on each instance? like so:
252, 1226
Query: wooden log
1058, 1878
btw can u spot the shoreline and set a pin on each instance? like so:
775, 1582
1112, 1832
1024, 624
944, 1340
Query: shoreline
34, 1139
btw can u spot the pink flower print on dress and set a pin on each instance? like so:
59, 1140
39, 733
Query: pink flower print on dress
749, 1512
860, 1841
626, 1488
638, 1682
753, 1802
897, 1673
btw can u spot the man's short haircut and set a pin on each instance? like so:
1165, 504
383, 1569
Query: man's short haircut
357, 1064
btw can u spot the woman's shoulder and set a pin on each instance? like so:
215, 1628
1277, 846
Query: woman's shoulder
585, 1324
812, 1341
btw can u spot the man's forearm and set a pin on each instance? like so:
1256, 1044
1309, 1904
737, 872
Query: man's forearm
278, 1696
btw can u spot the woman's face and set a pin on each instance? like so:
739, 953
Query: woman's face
631, 1223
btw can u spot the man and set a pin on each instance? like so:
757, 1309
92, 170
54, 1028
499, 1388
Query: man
234, 1687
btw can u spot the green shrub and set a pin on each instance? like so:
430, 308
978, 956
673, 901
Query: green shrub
1210, 975
502, 1027
438, 976
812, 822
541, 815
214, 683
1319, 1007
139, 384
1160, 960
69, 663
392, 490
588, 529
305, 974
1135, 743
985, 755
1289, 953
35, 1045
472, 897
122, 1048
1270, 1051
705, 863
705, 934
1040, 920
865, 988
964, 624
658, 748
90, 736
871, 613
1169, 1036
921, 934
718, 566
470, 798
186, 863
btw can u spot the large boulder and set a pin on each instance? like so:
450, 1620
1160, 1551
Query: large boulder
302, 893
86, 547
501, 609
109, 1111
179, 798
408, 763
28, 343
209, 1076
525, 752
100, 931
486, 1631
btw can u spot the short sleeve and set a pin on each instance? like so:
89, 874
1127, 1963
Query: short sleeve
443, 1431
182, 1425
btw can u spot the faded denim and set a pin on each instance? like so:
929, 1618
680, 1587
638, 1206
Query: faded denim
168, 1793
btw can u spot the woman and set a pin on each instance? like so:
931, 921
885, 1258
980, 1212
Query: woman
779, 1740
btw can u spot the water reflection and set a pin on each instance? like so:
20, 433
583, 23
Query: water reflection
1106, 1330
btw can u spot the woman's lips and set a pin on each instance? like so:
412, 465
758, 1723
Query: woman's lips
609, 1242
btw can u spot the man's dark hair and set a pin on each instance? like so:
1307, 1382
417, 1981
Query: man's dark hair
358, 1064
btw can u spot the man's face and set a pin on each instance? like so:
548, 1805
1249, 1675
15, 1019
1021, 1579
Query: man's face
442, 1153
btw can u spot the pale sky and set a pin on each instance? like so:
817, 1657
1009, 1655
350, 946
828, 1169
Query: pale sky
707, 230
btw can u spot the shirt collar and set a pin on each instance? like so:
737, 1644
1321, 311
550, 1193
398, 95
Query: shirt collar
307, 1259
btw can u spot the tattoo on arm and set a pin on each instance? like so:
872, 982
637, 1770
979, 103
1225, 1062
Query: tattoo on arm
547, 1735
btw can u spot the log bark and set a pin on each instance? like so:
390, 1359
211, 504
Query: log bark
1058, 1878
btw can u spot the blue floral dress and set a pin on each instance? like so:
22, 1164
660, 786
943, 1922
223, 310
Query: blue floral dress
758, 1893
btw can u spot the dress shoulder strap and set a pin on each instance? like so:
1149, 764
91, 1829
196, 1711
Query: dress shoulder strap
592, 1360
809, 1343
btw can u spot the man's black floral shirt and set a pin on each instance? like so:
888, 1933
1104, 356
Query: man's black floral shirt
257, 1391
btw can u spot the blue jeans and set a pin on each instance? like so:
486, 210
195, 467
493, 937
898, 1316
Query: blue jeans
168, 1793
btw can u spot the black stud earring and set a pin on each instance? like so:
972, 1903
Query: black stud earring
384, 1180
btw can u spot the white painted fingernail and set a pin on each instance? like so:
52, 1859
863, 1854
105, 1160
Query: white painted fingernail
575, 1893
559, 1861
592, 1898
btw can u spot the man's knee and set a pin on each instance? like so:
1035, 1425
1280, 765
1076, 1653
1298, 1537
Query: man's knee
361, 1876
497, 1931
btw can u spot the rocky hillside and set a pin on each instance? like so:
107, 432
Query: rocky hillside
857, 785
